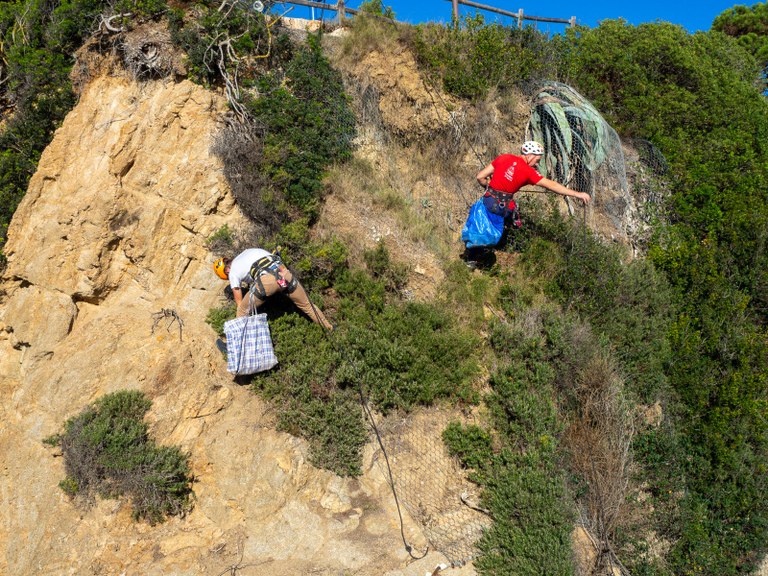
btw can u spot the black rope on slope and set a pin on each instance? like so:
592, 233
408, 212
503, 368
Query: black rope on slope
432, 90
367, 409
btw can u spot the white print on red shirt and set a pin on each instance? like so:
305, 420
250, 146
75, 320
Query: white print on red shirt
510, 172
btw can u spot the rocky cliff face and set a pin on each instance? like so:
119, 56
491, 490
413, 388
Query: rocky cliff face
110, 237
111, 233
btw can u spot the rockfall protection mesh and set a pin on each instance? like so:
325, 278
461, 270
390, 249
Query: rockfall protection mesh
626, 180
581, 150
432, 486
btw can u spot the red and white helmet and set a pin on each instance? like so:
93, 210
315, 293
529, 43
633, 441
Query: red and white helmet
532, 147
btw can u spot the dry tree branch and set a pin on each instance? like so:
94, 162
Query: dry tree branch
21, 24
233, 568
107, 22
221, 51
599, 441
168, 313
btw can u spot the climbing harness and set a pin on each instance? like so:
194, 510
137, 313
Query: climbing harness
503, 206
504, 202
273, 265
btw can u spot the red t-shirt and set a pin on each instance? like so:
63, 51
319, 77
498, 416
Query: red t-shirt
510, 173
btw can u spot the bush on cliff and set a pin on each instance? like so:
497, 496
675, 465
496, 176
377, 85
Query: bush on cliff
38, 41
108, 452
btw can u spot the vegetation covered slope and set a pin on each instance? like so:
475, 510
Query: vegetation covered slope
750, 25
698, 98
582, 336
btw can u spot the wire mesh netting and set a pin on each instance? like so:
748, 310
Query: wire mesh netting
626, 180
431, 485
582, 150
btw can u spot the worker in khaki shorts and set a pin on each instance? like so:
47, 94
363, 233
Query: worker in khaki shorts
261, 274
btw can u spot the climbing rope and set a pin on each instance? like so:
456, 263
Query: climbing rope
368, 412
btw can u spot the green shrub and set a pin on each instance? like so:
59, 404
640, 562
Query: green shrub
299, 124
203, 33
368, 34
472, 445
141, 8
107, 451
221, 241
465, 294
397, 356
393, 274
376, 7
472, 57
632, 304
698, 99
318, 263
412, 354
710, 122
310, 403
533, 519
556, 412
309, 400
306, 124
524, 488
660, 455
217, 316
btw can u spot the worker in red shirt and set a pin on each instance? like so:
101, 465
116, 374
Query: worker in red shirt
503, 177
508, 173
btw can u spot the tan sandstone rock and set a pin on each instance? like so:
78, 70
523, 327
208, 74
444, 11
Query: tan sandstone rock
111, 232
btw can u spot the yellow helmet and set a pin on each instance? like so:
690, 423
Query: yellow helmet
219, 267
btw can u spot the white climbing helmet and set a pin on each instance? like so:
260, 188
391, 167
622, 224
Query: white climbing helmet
532, 147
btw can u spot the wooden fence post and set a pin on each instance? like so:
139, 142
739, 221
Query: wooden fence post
455, 10
340, 11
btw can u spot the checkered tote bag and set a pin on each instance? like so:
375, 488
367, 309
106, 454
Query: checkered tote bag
249, 345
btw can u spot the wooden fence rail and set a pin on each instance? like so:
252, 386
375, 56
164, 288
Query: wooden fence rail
519, 14
342, 11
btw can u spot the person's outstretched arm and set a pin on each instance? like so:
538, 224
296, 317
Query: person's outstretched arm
558, 188
238, 295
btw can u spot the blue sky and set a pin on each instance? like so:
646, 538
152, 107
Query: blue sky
693, 16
